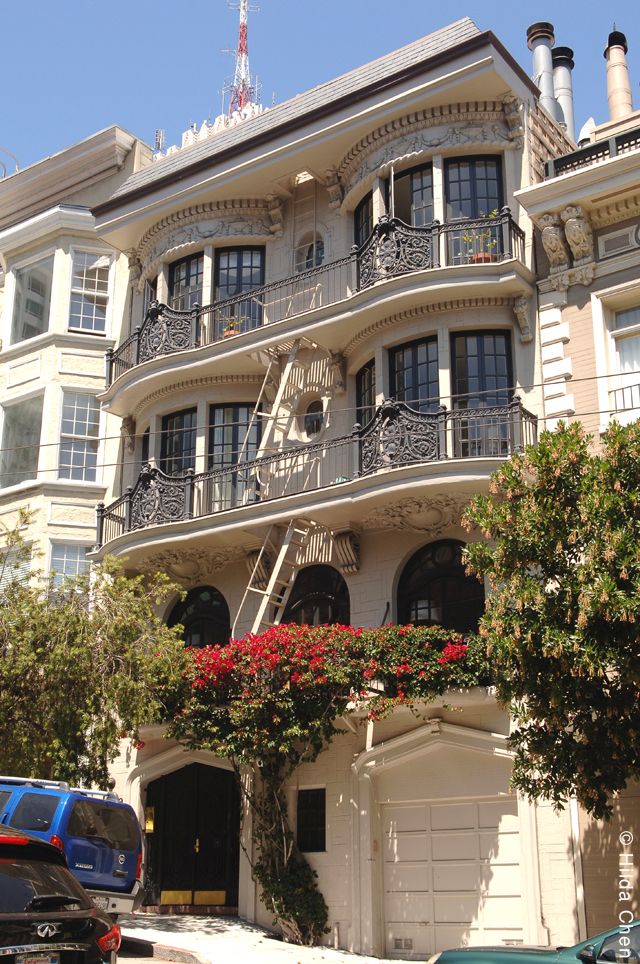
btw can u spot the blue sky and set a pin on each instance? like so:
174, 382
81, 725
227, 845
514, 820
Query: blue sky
71, 67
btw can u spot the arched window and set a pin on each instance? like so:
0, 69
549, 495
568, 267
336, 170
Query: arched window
205, 616
319, 597
434, 589
309, 252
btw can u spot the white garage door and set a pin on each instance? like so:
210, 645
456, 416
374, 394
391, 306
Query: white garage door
451, 875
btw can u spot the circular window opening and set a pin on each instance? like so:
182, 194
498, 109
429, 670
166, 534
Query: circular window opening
314, 418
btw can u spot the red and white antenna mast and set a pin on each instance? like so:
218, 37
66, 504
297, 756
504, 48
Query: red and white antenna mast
243, 90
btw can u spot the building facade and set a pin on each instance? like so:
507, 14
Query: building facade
322, 337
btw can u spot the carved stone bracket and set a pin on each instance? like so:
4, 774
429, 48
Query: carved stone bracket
578, 233
513, 108
128, 433
334, 188
275, 211
521, 311
135, 268
347, 546
338, 373
553, 242
432, 516
259, 565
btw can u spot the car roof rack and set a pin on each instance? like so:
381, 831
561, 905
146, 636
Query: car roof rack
101, 794
35, 782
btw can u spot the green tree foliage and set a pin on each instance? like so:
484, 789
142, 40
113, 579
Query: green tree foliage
80, 666
562, 556
273, 701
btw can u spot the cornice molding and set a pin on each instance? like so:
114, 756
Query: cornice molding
190, 228
608, 214
461, 304
59, 219
195, 383
483, 123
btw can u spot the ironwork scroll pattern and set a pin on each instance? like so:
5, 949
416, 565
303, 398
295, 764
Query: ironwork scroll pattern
393, 249
157, 498
398, 435
166, 330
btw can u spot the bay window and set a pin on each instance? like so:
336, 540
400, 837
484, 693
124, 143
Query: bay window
21, 427
89, 292
32, 300
79, 437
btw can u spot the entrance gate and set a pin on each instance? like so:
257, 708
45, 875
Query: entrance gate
193, 848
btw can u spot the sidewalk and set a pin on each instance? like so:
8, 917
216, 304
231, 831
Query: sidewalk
225, 940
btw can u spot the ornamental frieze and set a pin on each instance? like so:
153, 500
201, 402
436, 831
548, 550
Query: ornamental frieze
433, 516
195, 226
191, 566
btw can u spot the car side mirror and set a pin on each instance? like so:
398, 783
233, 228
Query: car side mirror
587, 954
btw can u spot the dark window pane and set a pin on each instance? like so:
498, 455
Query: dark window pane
204, 614
319, 597
435, 589
414, 375
34, 811
178, 442
363, 219
311, 821
185, 282
366, 392
91, 818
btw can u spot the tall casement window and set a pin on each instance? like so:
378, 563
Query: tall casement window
626, 338
178, 442
366, 392
89, 292
185, 282
413, 196
237, 271
311, 813
204, 614
32, 300
21, 427
363, 219
149, 294
319, 597
233, 440
79, 437
473, 188
413, 374
482, 378
434, 589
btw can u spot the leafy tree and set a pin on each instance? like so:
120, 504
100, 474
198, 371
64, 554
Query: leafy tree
562, 524
273, 701
81, 665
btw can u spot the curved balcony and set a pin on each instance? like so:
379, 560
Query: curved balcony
393, 249
397, 436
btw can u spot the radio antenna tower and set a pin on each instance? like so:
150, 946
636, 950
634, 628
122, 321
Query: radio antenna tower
243, 89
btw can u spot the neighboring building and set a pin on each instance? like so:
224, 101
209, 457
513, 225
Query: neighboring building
61, 291
587, 212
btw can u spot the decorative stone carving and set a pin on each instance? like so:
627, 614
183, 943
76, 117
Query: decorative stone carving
191, 566
553, 242
513, 108
128, 433
275, 211
135, 268
429, 515
521, 311
338, 367
582, 275
578, 233
347, 546
334, 188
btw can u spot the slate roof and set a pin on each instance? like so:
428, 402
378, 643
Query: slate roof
292, 111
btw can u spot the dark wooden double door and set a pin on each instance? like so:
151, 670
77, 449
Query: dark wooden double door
193, 849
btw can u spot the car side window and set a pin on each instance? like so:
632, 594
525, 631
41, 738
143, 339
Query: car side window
5, 795
34, 811
621, 947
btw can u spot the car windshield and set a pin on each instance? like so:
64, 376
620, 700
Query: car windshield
29, 885
95, 819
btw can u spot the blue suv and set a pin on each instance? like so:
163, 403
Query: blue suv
98, 833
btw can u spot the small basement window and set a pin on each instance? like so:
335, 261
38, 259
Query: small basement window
311, 821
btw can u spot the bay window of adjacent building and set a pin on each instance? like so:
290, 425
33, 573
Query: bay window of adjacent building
89, 292
79, 437
366, 393
482, 378
178, 441
67, 561
185, 282
238, 271
31, 300
21, 428
626, 339
413, 374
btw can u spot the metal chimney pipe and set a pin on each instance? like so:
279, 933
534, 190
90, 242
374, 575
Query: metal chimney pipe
562, 58
618, 84
540, 40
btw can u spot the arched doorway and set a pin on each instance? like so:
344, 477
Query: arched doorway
435, 590
193, 834
204, 613
319, 597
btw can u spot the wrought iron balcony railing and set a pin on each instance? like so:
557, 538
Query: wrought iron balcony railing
396, 436
392, 249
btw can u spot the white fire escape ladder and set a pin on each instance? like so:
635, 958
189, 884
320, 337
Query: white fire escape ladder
284, 558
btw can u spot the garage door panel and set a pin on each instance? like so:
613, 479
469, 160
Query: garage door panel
454, 876
501, 814
409, 944
407, 877
407, 846
500, 910
453, 816
399, 819
499, 881
414, 908
453, 908
455, 846
501, 848
455, 935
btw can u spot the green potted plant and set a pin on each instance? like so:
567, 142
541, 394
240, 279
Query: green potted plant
481, 242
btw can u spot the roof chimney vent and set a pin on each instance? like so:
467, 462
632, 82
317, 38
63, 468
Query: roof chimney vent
618, 84
540, 39
562, 58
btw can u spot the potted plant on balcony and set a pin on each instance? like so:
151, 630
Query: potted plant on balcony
231, 327
481, 242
